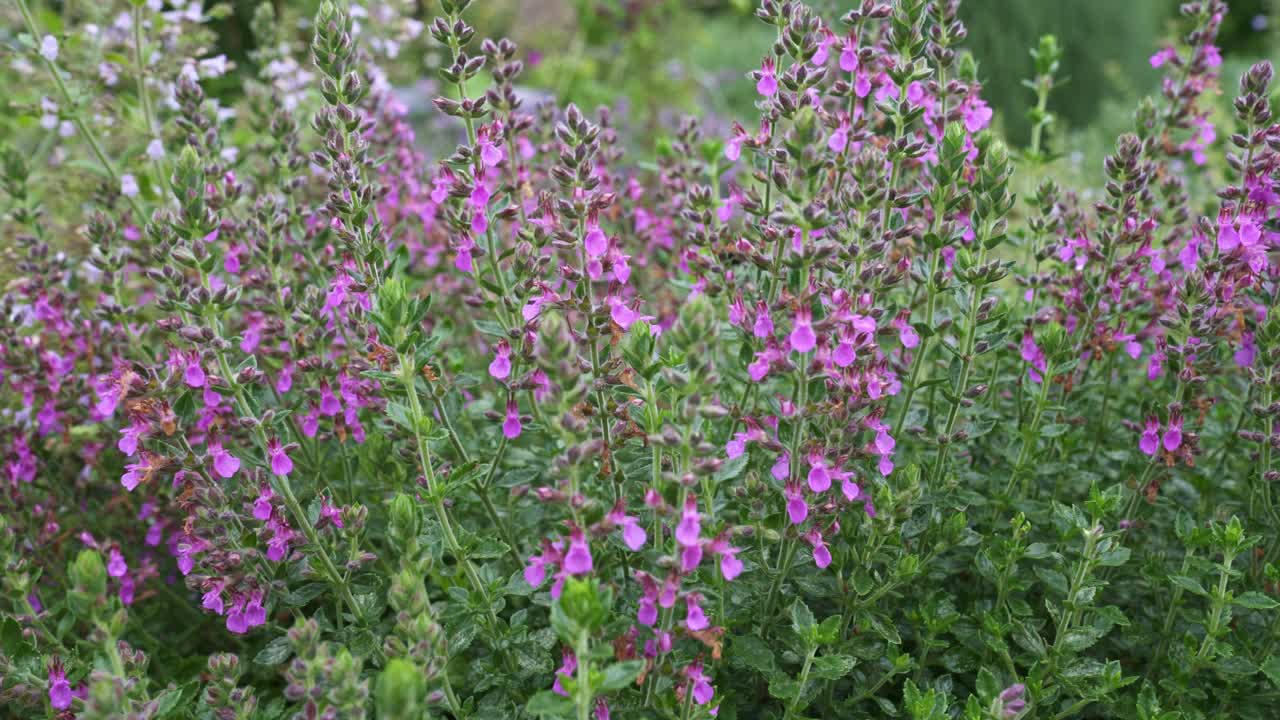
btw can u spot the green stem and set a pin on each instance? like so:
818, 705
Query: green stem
794, 707
583, 695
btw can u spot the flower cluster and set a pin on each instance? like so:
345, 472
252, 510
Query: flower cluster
808, 419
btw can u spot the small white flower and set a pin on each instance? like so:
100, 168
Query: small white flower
48, 122
66, 128
109, 72
214, 67
229, 154
155, 149
129, 185
49, 48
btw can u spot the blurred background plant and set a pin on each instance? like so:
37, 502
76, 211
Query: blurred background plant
652, 60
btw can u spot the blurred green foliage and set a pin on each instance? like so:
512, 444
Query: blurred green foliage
655, 59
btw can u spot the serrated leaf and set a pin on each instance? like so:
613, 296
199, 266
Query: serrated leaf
1191, 585
832, 667
303, 595
751, 651
1271, 668
547, 704
275, 652
801, 618
619, 675
1255, 601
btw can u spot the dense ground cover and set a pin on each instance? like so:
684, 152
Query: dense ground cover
813, 419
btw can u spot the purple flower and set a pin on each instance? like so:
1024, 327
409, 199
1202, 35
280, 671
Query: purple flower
767, 84
116, 565
500, 367
695, 619
797, 508
1150, 441
700, 684
849, 55
280, 462
49, 48
577, 561
59, 688
802, 337
690, 526
224, 463
1172, 439
511, 426
819, 478
568, 666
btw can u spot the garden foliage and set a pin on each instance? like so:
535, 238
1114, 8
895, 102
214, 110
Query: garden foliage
814, 419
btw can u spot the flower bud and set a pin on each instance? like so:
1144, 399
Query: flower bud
399, 691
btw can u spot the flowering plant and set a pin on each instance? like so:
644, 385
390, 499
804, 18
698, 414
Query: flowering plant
811, 418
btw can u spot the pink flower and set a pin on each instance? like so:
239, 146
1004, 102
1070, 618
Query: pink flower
329, 403
568, 666
1034, 356
849, 56
690, 526
577, 561
1150, 441
821, 553
763, 327
977, 116
116, 566
1172, 439
819, 478
767, 85
907, 335
280, 462
262, 507
511, 426
500, 367
1163, 56
194, 374
632, 533
329, 515
224, 463
695, 619
803, 338
595, 242
699, 684
59, 688
797, 508
730, 565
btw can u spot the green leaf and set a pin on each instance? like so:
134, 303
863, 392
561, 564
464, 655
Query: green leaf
487, 549
1054, 430
1114, 557
1237, 665
399, 414
732, 469
832, 667
801, 619
1256, 601
275, 652
1191, 585
751, 651
168, 702
547, 704
303, 595
619, 675
1271, 668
